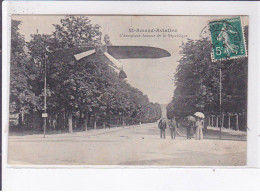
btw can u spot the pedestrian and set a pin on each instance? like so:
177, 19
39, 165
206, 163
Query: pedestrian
189, 129
199, 127
173, 127
162, 127
189, 122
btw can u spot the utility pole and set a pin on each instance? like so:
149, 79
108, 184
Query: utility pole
220, 97
45, 100
44, 115
123, 118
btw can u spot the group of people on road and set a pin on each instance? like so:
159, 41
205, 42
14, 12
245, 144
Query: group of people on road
191, 123
172, 127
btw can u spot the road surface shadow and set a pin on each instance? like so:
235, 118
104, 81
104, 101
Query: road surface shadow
216, 135
59, 141
193, 158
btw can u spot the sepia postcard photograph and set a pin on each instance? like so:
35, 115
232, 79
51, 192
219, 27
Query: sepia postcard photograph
128, 90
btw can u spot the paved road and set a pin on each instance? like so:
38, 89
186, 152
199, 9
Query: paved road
132, 145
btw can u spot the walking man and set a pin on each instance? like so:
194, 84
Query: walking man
172, 127
162, 127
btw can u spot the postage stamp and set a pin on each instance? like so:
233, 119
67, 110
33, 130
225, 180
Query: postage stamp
227, 39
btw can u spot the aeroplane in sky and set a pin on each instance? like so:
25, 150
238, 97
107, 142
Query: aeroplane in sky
111, 53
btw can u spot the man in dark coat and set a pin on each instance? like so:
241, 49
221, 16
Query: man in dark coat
162, 126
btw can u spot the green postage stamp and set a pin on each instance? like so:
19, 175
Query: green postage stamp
227, 39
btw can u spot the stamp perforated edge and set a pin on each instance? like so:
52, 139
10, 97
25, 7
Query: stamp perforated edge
228, 58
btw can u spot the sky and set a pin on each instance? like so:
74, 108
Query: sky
154, 77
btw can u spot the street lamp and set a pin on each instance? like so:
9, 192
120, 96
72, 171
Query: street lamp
220, 95
44, 114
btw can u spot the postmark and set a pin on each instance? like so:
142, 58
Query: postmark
227, 37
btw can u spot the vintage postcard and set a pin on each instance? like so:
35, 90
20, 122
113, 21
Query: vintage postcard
128, 90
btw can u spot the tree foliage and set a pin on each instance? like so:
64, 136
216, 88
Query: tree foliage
76, 31
22, 98
197, 82
86, 88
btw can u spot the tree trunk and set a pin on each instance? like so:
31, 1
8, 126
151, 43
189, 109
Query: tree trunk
85, 122
123, 119
212, 121
33, 122
205, 127
95, 121
20, 122
70, 122
222, 120
80, 120
51, 123
104, 124
75, 122
64, 119
237, 125
89, 115
58, 126
109, 121
60, 122
229, 121
217, 121
54, 123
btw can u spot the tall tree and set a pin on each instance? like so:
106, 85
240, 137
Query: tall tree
22, 99
76, 31
197, 82
83, 89
77, 80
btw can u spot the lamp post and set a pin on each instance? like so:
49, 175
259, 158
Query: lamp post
44, 114
220, 97
45, 99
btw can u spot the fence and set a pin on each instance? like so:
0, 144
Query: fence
34, 122
230, 121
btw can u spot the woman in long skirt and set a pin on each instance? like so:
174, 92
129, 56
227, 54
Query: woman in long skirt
199, 127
